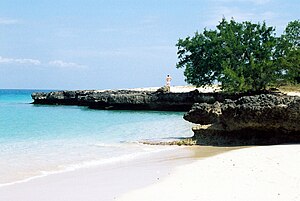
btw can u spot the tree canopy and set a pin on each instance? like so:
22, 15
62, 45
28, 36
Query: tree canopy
290, 47
241, 56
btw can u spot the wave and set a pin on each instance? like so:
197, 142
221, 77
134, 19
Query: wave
147, 150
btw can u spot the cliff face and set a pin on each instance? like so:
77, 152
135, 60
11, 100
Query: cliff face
128, 99
261, 119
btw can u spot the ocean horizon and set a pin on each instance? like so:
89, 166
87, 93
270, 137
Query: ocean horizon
38, 140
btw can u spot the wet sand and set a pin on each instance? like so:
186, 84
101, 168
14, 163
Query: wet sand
107, 182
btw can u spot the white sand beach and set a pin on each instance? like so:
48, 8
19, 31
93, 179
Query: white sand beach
206, 89
192, 173
256, 173
293, 93
106, 182
182, 89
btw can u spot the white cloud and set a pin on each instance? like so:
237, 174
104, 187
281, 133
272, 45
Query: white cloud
36, 62
239, 15
7, 21
19, 61
128, 52
63, 64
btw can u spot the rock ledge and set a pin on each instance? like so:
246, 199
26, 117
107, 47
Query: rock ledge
130, 99
249, 120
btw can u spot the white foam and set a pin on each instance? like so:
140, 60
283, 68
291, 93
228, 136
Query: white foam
148, 150
107, 145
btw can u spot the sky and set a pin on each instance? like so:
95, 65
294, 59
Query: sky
112, 44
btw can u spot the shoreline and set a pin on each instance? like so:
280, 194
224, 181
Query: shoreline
109, 181
180, 98
254, 173
155, 149
89, 164
143, 177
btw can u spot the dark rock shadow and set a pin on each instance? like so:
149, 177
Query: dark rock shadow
246, 138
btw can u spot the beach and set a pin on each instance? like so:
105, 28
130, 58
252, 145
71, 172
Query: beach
255, 173
150, 100
107, 182
78, 154
186, 173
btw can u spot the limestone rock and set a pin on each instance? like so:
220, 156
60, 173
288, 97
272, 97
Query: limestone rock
163, 89
260, 119
125, 99
132, 99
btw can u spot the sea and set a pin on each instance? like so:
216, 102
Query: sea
38, 140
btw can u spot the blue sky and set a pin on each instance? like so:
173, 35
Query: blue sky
97, 44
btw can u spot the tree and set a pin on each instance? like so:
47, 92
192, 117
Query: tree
241, 56
290, 51
292, 33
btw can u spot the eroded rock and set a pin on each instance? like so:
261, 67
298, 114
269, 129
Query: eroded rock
261, 119
130, 99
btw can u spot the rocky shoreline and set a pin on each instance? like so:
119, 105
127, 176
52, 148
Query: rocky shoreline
131, 99
222, 119
250, 120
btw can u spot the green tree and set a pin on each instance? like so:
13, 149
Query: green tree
292, 34
240, 56
289, 48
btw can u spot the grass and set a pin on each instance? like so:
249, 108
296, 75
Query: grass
290, 88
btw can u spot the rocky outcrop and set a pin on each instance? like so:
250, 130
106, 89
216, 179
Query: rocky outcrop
260, 119
130, 99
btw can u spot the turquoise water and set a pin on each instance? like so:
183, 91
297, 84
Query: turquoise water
37, 140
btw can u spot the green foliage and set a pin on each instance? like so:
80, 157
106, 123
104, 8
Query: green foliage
290, 50
292, 33
200, 51
241, 56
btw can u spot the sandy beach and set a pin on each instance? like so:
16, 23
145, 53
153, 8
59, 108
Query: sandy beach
256, 173
106, 182
150, 100
191, 173
183, 89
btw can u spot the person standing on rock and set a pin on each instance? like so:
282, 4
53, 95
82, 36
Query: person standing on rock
168, 82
